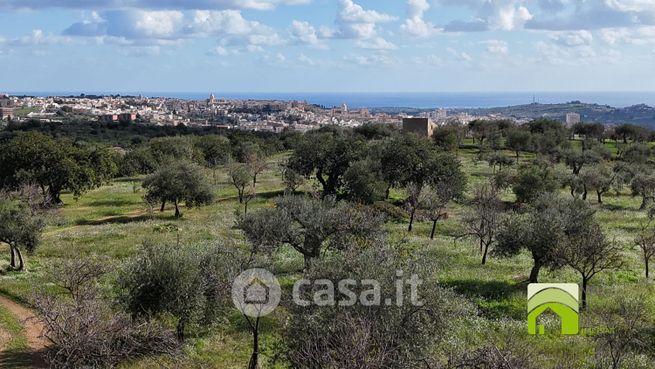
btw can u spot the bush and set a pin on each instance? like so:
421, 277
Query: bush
187, 283
84, 330
391, 211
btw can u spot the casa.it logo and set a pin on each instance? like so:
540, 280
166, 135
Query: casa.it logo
256, 292
560, 299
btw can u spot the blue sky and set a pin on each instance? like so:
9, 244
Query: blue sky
327, 45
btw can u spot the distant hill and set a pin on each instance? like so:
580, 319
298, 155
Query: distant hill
643, 115
591, 113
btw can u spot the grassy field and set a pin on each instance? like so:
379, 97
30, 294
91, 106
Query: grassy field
114, 221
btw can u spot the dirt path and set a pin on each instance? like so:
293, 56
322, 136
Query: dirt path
33, 332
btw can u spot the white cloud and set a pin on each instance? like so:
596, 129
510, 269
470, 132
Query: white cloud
140, 51
636, 36
356, 22
304, 33
161, 27
377, 43
510, 17
505, 15
304, 59
149, 4
159, 24
595, 14
496, 47
573, 39
370, 60
460, 55
37, 37
415, 24
631, 5
354, 13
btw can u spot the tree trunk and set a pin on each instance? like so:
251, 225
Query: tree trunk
411, 220
181, 324
245, 208
254, 358
600, 197
387, 192
254, 180
308, 263
484, 256
644, 203
534, 273
177, 210
584, 293
241, 196
321, 180
163, 206
12, 264
646, 261
584, 193
517, 157
21, 264
434, 228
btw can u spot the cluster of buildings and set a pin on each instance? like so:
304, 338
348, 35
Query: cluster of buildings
256, 115
253, 115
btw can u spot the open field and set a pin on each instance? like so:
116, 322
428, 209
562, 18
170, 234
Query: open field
113, 221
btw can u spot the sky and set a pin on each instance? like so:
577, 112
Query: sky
327, 45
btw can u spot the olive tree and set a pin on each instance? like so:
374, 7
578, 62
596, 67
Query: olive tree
441, 171
598, 178
255, 161
309, 225
178, 182
325, 154
484, 218
643, 184
403, 158
363, 182
532, 181
190, 283
216, 151
54, 165
627, 323
292, 179
370, 335
434, 199
589, 252
241, 178
540, 229
576, 160
518, 140
19, 229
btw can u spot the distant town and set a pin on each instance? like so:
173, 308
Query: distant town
278, 116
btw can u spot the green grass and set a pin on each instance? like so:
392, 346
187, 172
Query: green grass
114, 221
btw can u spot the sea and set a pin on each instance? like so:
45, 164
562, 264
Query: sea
419, 100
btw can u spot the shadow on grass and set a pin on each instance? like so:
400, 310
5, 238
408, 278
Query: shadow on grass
496, 296
127, 180
116, 202
491, 290
261, 195
123, 219
15, 359
615, 207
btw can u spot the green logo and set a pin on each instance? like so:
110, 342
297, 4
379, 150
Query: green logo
561, 299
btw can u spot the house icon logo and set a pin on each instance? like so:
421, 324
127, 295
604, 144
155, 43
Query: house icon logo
560, 299
256, 292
